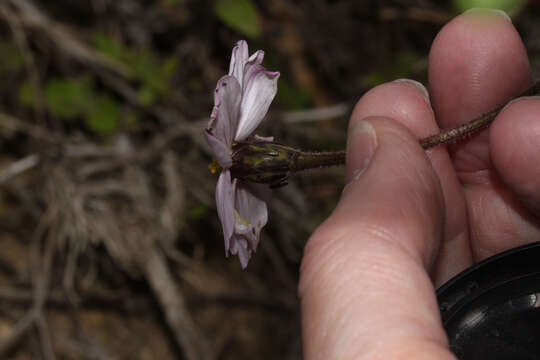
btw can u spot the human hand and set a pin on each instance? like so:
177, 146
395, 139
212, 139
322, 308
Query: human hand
408, 220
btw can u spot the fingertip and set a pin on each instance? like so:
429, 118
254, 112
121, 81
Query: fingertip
416, 85
515, 148
486, 14
361, 145
405, 100
476, 62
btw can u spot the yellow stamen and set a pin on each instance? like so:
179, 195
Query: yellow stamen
240, 220
214, 166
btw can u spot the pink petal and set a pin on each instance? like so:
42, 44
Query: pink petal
240, 247
252, 66
224, 118
221, 151
255, 58
254, 211
238, 59
260, 87
225, 194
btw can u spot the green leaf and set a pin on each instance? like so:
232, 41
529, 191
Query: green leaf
511, 7
147, 95
103, 119
110, 46
144, 64
241, 15
69, 98
152, 73
114, 49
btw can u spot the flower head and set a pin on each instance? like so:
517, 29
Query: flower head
241, 100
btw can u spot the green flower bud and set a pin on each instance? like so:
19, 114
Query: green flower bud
263, 162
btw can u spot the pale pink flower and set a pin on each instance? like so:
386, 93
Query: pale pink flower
241, 100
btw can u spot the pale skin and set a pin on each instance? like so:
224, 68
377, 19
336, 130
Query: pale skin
412, 219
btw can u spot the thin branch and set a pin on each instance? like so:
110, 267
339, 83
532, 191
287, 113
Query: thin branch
41, 271
24, 295
45, 338
17, 332
18, 167
187, 334
173, 208
10, 123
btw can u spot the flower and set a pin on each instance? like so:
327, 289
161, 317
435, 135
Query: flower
241, 100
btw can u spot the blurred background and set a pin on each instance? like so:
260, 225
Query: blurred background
110, 244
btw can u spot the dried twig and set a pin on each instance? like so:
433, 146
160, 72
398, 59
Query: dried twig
45, 338
41, 272
41, 281
24, 295
17, 332
10, 124
187, 334
128, 228
172, 210
18, 167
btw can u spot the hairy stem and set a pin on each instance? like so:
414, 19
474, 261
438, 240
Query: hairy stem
463, 131
312, 160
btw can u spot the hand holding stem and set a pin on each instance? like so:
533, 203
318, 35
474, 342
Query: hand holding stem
407, 222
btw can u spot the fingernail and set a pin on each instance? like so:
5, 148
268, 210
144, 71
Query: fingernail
536, 97
361, 145
417, 86
488, 11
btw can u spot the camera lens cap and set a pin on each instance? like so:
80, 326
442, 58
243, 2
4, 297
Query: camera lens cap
492, 309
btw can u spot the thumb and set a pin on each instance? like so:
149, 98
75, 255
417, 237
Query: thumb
364, 288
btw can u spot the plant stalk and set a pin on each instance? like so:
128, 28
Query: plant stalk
313, 160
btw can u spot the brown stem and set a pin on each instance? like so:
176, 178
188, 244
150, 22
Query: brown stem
312, 160
477, 124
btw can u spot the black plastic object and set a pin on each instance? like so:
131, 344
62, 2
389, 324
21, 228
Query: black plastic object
492, 310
